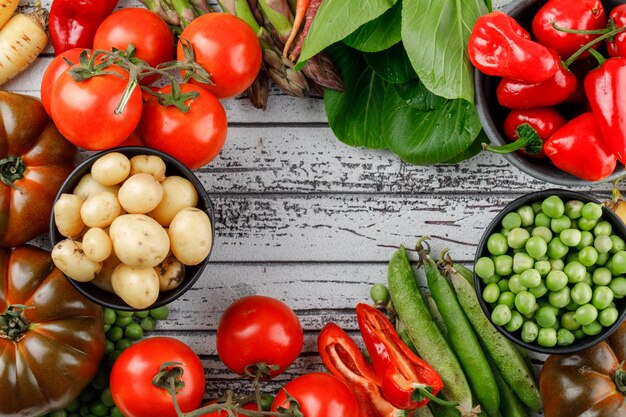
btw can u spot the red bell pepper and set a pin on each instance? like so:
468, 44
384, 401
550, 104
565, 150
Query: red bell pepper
73, 23
520, 95
343, 359
568, 14
500, 47
617, 45
579, 148
604, 87
544, 120
407, 381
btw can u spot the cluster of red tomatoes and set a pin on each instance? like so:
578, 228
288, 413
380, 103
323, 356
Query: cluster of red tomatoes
84, 110
252, 330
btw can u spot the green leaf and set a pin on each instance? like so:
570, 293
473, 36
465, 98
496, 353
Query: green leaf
428, 137
416, 95
474, 149
336, 19
355, 116
392, 64
435, 35
378, 34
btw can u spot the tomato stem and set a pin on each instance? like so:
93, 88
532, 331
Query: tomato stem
11, 170
620, 377
13, 324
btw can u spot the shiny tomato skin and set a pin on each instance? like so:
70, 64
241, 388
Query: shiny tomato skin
194, 137
83, 111
259, 329
57, 67
149, 34
319, 395
227, 48
131, 378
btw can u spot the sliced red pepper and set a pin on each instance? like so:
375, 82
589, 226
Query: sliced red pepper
604, 87
617, 46
520, 95
499, 46
343, 359
579, 148
544, 120
73, 23
407, 381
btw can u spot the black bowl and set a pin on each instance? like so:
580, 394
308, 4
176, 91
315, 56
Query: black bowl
618, 228
192, 273
492, 115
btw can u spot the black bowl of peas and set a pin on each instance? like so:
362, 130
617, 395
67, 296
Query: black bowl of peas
550, 271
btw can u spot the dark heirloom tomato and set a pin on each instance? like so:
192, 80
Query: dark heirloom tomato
34, 161
47, 364
590, 383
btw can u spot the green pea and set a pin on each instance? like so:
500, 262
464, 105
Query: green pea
603, 258
592, 211
505, 233
574, 209
555, 280
560, 224
116, 413
497, 244
491, 293
564, 337
501, 315
588, 256
553, 207
521, 262
106, 398
603, 244
602, 297
142, 314
542, 232
530, 278
536, 247
122, 345
586, 239
529, 331
525, 302
515, 284
560, 298
527, 215
517, 238
74, 406
511, 221
618, 262
123, 321
586, 314
603, 228
543, 267
121, 313
586, 224
570, 237
579, 334
545, 317
536, 206
507, 298
115, 333
618, 244
575, 272
494, 279
503, 285
98, 409
601, 276
100, 381
539, 291
515, 322
541, 220
503, 265
109, 315
608, 316
592, 329
148, 324
581, 293
133, 331
160, 313
546, 337
557, 249
556, 264
378, 293
108, 346
568, 321
112, 357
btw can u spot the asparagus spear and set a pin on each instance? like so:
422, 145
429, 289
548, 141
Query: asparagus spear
278, 14
322, 71
168, 15
183, 9
259, 91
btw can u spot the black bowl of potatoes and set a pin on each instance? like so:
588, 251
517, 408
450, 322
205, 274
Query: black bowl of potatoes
132, 228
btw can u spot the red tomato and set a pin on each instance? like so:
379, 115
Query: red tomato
249, 406
131, 378
84, 110
319, 395
258, 329
194, 137
227, 48
144, 29
57, 67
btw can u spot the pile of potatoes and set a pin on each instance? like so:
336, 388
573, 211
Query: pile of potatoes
130, 229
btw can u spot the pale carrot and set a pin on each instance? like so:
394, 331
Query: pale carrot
301, 8
7, 7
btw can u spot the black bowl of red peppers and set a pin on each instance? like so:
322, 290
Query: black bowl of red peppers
529, 72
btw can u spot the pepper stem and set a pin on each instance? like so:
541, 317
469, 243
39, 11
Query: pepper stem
602, 31
426, 392
620, 377
528, 139
598, 56
11, 170
589, 45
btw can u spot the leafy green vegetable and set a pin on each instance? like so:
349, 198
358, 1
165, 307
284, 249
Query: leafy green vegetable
435, 35
378, 34
472, 151
337, 19
356, 115
416, 95
428, 137
392, 64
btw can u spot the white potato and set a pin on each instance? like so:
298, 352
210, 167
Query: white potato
103, 278
137, 286
99, 210
178, 193
140, 193
148, 164
67, 215
190, 236
69, 257
88, 186
171, 273
111, 169
139, 240
97, 245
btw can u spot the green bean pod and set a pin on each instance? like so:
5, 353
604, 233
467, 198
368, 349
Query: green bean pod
510, 405
434, 311
462, 338
466, 273
506, 358
404, 335
428, 340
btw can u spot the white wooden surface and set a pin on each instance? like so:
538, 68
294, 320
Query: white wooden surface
306, 219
